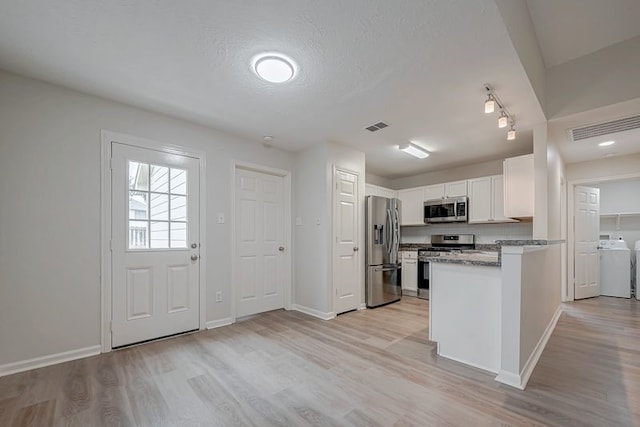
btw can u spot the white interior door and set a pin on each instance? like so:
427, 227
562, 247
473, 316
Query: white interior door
587, 233
260, 250
155, 244
346, 265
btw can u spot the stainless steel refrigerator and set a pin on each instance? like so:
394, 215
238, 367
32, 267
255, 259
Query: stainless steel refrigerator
384, 270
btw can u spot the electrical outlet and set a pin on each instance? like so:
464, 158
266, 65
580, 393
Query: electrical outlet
219, 296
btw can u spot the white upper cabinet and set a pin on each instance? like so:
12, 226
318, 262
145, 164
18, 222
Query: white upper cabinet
486, 200
412, 206
435, 191
374, 190
497, 194
455, 189
480, 200
519, 187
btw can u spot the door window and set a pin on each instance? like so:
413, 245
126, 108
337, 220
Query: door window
157, 206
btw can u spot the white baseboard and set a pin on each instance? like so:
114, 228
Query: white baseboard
456, 359
520, 381
362, 306
50, 359
220, 322
313, 312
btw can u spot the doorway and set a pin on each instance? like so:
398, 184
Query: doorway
261, 239
617, 227
152, 247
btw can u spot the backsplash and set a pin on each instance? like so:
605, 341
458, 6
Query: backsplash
485, 233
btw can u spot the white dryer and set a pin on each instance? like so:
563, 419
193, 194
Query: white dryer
637, 248
615, 269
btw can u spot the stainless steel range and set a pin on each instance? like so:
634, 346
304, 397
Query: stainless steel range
440, 243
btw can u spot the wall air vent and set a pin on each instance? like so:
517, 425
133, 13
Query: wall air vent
376, 127
614, 126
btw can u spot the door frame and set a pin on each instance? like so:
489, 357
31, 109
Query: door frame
568, 291
334, 243
287, 286
107, 137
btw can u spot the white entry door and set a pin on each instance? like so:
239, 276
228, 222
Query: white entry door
155, 244
346, 264
260, 251
587, 233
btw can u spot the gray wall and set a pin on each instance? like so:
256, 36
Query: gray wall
50, 210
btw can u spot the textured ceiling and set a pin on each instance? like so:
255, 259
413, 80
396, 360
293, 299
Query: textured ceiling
417, 65
568, 29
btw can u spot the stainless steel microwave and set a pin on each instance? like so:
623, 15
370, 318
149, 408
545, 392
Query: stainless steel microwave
446, 210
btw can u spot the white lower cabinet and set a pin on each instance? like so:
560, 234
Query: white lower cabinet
410, 271
486, 200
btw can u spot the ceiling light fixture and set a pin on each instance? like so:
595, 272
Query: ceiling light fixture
511, 133
274, 67
503, 120
490, 104
606, 143
505, 117
414, 150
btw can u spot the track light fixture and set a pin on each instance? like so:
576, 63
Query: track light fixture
505, 117
511, 133
490, 104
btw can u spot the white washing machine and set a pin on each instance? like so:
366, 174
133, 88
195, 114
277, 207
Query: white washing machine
637, 248
615, 269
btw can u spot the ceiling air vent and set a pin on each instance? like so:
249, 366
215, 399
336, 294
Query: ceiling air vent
376, 127
614, 126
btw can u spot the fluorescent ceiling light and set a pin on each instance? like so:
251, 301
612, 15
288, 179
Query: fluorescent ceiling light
606, 143
414, 150
274, 68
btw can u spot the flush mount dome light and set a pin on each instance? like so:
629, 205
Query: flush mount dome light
274, 68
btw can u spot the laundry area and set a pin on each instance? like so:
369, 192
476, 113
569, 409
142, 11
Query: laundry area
619, 237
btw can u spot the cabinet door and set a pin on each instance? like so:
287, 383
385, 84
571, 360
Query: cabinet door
435, 191
519, 187
455, 189
386, 192
412, 206
410, 274
370, 190
497, 196
480, 200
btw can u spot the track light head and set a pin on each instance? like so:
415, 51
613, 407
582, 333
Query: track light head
511, 133
503, 120
490, 104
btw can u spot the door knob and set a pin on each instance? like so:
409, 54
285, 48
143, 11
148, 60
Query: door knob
281, 248
356, 249
194, 257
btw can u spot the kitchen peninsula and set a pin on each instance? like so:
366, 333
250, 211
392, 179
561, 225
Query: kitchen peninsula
495, 311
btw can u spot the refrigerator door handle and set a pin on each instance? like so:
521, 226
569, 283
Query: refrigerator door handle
389, 233
399, 267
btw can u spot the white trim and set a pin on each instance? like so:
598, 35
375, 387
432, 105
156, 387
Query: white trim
313, 312
212, 324
520, 381
286, 175
50, 359
570, 284
362, 306
106, 138
455, 359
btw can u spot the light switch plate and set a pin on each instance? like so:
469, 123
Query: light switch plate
220, 218
298, 220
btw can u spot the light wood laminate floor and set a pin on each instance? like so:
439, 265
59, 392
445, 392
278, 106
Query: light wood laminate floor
368, 368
